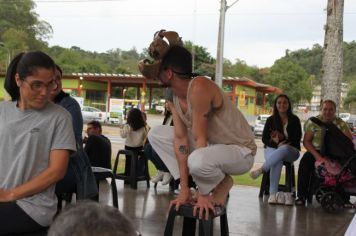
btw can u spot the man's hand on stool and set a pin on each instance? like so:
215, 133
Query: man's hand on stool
204, 203
183, 197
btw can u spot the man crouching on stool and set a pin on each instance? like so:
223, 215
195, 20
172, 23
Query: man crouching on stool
210, 140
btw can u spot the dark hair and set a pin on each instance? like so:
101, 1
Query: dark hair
96, 124
25, 64
276, 117
135, 119
275, 111
59, 69
91, 218
179, 60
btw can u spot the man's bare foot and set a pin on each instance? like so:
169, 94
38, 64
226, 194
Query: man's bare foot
221, 191
195, 195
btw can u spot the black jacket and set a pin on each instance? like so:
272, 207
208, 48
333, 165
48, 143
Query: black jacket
294, 130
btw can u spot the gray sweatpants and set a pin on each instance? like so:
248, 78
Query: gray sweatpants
209, 165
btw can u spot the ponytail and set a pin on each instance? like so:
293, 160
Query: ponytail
25, 64
10, 82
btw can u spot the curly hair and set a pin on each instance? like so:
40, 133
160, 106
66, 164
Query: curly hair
135, 119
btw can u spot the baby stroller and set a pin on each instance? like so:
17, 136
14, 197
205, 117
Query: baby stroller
337, 175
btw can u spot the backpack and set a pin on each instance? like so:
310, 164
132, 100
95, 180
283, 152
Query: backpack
334, 143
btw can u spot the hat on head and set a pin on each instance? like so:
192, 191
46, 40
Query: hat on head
162, 41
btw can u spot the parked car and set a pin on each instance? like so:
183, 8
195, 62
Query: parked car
352, 124
260, 124
345, 116
92, 113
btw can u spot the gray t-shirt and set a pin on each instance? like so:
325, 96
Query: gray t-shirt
26, 139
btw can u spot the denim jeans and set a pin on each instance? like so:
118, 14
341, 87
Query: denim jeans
274, 162
155, 159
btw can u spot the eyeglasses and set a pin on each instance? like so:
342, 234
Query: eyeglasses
37, 86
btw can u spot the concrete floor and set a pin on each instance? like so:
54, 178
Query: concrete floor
247, 214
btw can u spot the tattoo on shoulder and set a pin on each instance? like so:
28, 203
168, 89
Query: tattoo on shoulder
183, 149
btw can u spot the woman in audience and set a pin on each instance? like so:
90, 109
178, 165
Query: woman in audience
135, 133
281, 137
311, 142
162, 173
36, 139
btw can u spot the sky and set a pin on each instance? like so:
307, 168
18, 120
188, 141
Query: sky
256, 31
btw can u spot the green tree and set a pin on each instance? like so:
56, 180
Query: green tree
291, 78
204, 63
350, 100
349, 61
241, 69
15, 41
21, 29
20, 15
309, 59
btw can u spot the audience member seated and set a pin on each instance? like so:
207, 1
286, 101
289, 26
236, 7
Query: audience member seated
135, 133
281, 137
97, 146
162, 173
68, 184
91, 219
162, 170
311, 142
36, 140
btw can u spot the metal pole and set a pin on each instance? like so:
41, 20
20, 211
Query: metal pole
194, 27
220, 46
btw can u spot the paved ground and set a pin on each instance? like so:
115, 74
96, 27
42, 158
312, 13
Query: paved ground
248, 215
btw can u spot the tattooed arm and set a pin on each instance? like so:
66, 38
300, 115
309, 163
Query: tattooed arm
205, 97
181, 148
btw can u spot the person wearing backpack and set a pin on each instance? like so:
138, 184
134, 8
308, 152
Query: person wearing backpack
312, 142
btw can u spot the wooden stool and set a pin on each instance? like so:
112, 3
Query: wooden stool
289, 185
133, 178
101, 173
205, 226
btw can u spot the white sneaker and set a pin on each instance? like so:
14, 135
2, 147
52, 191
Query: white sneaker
167, 177
177, 191
272, 199
289, 201
158, 177
256, 173
280, 198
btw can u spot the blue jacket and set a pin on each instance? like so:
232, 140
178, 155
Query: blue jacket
79, 161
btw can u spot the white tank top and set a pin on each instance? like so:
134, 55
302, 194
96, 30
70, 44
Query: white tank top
226, 125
